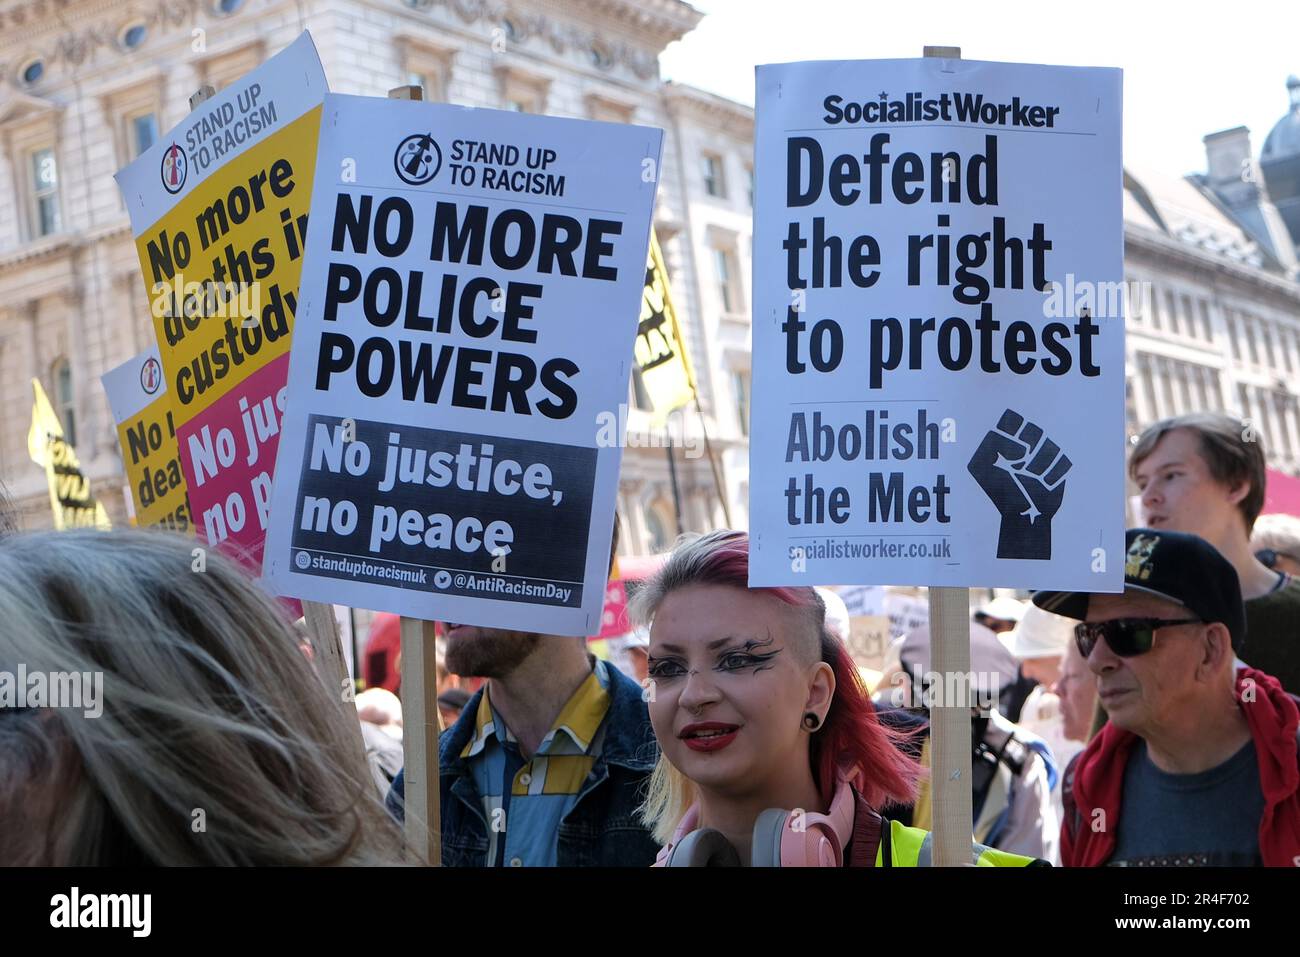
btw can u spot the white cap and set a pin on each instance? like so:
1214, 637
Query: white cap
837, 613
1040, 634
1004, 608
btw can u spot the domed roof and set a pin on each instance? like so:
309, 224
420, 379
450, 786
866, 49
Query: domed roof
1284, 139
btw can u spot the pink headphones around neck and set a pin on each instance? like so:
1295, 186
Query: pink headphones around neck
781, 838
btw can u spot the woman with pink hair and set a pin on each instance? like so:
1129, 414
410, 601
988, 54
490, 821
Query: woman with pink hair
771, 751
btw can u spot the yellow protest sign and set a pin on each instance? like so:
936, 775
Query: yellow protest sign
222, 268
70, 497
219, 214
146, 431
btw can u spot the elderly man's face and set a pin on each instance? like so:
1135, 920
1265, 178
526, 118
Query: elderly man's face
1143, 692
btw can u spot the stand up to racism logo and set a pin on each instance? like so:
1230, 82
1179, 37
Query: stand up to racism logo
174, 167
418, 159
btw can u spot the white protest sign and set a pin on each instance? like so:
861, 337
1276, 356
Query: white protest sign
930, 406
863, 600
469, 302
906, 612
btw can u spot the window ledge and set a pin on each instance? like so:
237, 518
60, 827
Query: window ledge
44, 247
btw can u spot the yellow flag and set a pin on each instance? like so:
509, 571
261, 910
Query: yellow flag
70, 497
45, 426
660, 349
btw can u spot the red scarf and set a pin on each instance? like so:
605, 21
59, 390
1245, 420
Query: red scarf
1098, 779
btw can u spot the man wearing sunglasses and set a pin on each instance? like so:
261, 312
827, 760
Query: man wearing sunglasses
1198, 762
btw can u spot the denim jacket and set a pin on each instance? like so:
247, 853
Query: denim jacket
601, 830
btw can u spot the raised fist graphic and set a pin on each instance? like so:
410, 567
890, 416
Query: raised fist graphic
1023, 474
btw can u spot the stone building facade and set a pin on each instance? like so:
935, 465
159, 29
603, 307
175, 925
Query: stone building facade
85, 85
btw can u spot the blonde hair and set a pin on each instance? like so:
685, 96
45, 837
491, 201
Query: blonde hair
1279, 532
218, 742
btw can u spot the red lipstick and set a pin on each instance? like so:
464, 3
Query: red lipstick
708, 735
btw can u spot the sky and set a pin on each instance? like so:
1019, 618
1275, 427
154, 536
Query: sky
1186, 72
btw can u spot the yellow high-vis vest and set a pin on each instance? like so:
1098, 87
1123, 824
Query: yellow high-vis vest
913, 847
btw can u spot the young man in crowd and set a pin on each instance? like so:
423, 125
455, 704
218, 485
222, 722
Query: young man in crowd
547, 763
1204, 474
1191, 737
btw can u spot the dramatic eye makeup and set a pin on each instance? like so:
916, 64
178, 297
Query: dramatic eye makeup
747, 656
735, 656
661, 669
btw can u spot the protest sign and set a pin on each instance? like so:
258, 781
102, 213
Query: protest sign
906, 612
863, 599
146, 431
70, 499
660, 350
469, 306
218, 208
868, 640
919, 368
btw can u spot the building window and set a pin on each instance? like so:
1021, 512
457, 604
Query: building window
712, 169
1171, 310
1147, 375
45, 193
609, 110
226, 7
133, 36
1155, 309
1184, 388
1167, 386
143, 131
1205, 321
1203, 395
726, 288
640, 397
1232, 334
1266, 334
1266, 419
32, 72
426, 62
749, 184
657, 530
1281, 401
1250, 341
740, 385
63, 398
523, 91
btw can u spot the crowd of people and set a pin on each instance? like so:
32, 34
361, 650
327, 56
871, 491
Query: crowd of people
1158, 726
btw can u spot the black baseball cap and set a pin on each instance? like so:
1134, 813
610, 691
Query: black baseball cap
1175, 566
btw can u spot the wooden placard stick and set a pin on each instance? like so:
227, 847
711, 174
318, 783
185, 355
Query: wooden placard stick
950, 724
420, 719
